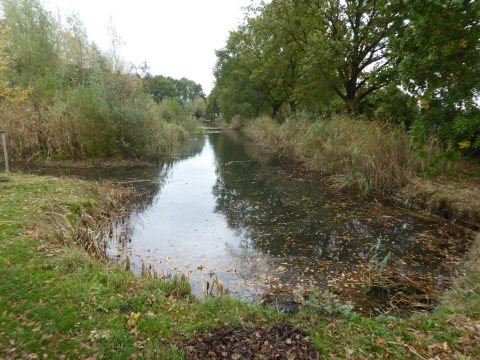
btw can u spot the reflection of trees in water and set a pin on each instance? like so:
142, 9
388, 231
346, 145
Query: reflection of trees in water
153, 179
282, 216
268, 210
148, 188
147, 183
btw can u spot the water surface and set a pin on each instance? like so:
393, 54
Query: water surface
224, 210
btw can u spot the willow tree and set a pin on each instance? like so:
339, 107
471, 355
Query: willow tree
33, 45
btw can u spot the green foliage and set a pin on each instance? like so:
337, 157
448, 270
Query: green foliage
467, 131
31, 42
161, 88
301, 55
188, 90
392, 105
82, 104
327, 303
197, 107
88, 110
438, 52
438, 62
391, 60
375, 259
212, 107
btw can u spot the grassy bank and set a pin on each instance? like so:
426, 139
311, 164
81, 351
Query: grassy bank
373, 158
56, 300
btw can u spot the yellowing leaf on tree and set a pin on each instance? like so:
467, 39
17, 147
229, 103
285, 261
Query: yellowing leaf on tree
8, 94
465, 144
425, 104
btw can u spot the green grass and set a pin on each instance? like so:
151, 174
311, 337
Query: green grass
59, 301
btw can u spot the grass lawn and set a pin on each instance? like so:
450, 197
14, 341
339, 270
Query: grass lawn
57, 301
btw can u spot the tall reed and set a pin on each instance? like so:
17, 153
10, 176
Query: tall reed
368, 155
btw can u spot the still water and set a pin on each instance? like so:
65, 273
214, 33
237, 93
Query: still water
224, 210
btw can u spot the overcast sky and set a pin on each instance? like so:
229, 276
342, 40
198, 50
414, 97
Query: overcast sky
176, 37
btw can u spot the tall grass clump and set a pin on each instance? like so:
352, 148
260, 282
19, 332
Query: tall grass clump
372, 156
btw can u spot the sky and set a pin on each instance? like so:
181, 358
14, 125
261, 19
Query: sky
177, 38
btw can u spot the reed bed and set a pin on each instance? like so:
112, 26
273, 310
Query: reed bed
371, 156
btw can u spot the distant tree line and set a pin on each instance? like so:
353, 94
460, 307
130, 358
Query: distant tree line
410, 62
164, 87
186, 91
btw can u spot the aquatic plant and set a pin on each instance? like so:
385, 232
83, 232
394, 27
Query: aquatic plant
374, 257
215, 287
327, 303
87, 223
171, 284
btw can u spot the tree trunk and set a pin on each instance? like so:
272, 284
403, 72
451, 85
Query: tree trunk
276, 109
352, 106
293, 107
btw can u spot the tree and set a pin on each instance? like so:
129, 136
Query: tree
212, 108
31, 43
438, 50
197, 107
300, 52
238, 91
76, 51
282, 62
160, 87
347, 45
439, 63
187, 90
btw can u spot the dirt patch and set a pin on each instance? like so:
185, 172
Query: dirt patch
282, 341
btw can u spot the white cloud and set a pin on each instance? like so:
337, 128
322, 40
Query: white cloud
177, 37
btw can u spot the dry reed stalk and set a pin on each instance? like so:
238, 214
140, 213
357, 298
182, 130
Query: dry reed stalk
88, 225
